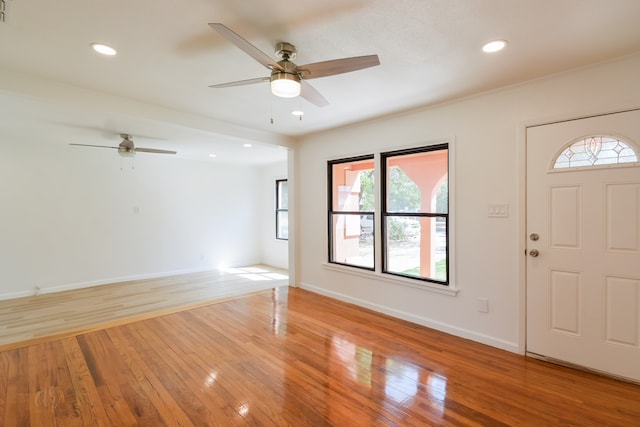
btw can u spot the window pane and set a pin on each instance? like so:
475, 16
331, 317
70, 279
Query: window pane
417, 246
417, 182
403, 194
282, 204
282, 225
353, 186
442, 197
283, 195
351, 211
352, 239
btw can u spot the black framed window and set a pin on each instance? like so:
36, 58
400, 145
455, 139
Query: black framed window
415, 213
282, 209
351, 202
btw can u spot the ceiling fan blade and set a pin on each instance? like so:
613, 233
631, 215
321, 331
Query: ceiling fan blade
242, 82
154, 150
245, 46
337, 66
90, 145
310, 93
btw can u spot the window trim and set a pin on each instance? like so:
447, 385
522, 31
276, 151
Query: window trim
279, 209
384, 214
412, 282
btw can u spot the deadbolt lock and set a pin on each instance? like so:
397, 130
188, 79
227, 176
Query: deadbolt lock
534, 237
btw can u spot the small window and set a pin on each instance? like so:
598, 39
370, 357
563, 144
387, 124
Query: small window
282, 209
351, 212
595, 151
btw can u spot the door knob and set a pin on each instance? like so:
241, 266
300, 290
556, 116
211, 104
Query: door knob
534, 253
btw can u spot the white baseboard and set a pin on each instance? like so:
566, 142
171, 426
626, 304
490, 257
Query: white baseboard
420, 320
14, 295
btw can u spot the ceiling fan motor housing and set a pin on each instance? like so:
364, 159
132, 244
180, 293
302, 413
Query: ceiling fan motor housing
285, 51
126, 146
288, 72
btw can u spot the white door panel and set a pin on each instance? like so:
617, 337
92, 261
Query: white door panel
583, 288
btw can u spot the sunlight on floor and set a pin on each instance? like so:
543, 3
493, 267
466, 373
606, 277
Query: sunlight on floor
255, 273
74, 310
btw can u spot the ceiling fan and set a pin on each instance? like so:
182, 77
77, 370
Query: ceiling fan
287, 79
126, 147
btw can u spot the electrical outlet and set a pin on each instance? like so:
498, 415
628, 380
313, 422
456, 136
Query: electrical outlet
483, 305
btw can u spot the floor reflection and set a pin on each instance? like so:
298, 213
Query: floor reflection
437, 389
401, 381
356, 360
396, 383
279, 312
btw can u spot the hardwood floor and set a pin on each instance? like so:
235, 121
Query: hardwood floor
27, 320
291, 357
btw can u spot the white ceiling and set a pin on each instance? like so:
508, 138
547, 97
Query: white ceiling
53, 86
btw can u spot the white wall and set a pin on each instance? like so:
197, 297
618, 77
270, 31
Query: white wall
71, 217
274, 251
488, 168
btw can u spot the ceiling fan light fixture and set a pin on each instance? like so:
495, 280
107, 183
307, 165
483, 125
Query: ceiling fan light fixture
285, 85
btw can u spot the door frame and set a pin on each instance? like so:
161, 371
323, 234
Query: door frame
522, 206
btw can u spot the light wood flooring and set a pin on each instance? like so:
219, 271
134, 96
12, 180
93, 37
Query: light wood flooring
288, 357
26, 320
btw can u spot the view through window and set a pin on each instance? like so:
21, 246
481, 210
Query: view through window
415, 213
282, 209
351, 212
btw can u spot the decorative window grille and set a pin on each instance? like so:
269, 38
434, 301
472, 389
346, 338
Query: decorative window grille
594, 151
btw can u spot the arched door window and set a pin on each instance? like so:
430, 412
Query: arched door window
596, 151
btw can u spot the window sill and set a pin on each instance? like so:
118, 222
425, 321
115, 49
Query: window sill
416, 284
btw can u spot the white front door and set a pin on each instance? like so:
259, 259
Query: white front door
583, 284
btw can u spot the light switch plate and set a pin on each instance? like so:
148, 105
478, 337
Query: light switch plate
498, 211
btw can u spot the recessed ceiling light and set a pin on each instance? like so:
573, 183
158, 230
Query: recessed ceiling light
247, 145
297, 113
103, 49
212, 155
494, 46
